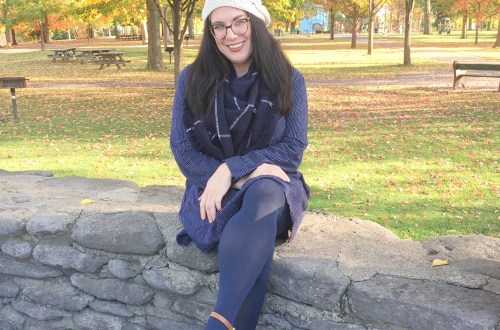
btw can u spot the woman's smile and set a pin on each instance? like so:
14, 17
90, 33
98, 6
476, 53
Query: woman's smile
236, 47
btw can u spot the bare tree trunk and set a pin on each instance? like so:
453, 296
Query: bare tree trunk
42, 37
89, 32
7, 26
191, 28
464, 27
409, 4
14, 41
497, 43
178, 38
389, 24
427, 17
166, 31
46, 30
478, 22
370, 27
155, 60
354, 28
144, 32
7, 38
332, 24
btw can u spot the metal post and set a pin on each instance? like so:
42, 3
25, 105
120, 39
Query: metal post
14, 104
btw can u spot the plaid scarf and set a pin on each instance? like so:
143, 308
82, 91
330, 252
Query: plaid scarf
243, 118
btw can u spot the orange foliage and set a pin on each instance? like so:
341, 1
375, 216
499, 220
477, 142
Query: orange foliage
479, 8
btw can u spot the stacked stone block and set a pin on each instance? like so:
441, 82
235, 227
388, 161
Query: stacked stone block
114, 264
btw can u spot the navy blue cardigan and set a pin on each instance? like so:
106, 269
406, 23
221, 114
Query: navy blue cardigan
286, 149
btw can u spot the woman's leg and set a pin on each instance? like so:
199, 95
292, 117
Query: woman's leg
248, 315
245, 252
250, 310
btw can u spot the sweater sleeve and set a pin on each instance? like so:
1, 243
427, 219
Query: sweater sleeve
287, 153
196, 166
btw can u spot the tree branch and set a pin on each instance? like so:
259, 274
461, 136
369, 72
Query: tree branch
161, 14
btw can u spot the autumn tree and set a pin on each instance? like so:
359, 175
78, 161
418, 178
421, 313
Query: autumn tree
131, 12
278, 9
355, 10
90, 11
37, 12
181, 11
479, 9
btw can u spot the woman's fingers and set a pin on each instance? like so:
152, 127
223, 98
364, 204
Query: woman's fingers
217, 186
209, 205
203, 211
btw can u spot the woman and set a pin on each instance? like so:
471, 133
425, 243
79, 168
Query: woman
239, 129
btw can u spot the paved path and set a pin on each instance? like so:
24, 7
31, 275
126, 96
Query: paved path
432, 79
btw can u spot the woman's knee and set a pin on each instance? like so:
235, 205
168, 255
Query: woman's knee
267, 190
264, 197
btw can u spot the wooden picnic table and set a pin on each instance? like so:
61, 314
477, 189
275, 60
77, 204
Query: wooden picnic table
91, 54
109, 58
64, 54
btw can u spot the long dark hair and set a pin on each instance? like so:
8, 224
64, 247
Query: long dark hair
210, 68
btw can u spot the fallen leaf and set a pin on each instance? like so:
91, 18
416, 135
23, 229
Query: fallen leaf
86, 201
439, 262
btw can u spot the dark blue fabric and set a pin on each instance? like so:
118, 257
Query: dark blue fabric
246, 251
285, 150
242, 118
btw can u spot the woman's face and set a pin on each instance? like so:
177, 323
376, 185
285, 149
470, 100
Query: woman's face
237, 48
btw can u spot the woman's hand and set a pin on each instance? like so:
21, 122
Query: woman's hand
264, 169
217, 186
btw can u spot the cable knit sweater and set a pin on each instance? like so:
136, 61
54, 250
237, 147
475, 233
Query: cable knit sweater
285, 150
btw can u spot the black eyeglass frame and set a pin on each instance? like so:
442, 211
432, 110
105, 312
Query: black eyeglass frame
246, 19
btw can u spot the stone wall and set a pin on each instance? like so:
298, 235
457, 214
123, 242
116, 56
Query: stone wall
111, 262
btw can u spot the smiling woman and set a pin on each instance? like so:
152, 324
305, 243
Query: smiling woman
239, 130
234, 40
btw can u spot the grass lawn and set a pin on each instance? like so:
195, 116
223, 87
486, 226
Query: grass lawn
421, 161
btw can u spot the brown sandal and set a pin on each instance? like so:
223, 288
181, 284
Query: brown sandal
223, 320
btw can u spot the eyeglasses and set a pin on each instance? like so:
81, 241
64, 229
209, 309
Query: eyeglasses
239, 27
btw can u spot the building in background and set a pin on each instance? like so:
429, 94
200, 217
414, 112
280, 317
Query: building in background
316, 24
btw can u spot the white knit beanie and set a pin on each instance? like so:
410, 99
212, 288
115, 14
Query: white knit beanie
254, 7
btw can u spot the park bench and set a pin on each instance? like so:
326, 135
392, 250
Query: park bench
90, 55
129, 37
64, 54
462, 70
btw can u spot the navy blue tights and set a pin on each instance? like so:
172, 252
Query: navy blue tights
246, 251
